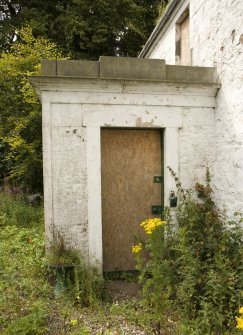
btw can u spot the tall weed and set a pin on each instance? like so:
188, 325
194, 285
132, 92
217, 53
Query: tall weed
195, 271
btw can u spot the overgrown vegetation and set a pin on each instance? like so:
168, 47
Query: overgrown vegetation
25, 291
28, 305
191, 276
194, 269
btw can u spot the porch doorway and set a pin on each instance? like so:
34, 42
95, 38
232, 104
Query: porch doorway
130, 159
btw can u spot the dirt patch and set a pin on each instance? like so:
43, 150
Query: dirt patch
120, 290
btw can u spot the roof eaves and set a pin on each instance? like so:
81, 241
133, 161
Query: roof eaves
171, 8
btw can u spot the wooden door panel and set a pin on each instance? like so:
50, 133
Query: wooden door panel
130, 159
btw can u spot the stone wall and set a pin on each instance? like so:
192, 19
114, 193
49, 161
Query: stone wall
216, 39
80, 98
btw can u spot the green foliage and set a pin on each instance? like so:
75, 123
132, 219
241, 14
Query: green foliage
81, 30
58, 253
157, 263
195, 270
88, 33
15, 210
84, 28
127, 276
24, 304
84, 283
16, 14
20, 111
27, 303
89, 288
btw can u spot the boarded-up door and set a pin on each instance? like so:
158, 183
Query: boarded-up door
130, 160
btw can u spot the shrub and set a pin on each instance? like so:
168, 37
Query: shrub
196, 269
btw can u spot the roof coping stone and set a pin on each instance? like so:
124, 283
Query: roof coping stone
127, 68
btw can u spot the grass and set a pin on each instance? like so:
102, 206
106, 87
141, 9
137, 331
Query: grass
28, 305
24, 304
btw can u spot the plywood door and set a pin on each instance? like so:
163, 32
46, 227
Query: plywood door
130, 160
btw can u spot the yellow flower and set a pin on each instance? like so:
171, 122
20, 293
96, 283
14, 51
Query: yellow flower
151, 224
137, 248
239, 323
73, 323
241, 310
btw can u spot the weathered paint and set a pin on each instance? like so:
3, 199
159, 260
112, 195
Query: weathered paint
216, 40
75, 110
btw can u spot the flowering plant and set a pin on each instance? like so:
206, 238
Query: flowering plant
193, 266
151, 224
149, 256
239, 319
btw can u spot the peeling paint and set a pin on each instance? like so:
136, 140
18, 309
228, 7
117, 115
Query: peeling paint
140, 123
241, 39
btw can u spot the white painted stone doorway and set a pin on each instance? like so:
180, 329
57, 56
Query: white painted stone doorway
79, 98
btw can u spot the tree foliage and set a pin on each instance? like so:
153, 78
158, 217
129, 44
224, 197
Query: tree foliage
84, 28
20, 110
81, 29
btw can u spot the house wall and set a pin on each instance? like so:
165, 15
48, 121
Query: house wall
185, 54
216, 39
165, 46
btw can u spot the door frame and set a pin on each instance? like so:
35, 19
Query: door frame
129, 119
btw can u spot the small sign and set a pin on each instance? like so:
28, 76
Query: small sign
157, 210
158, 179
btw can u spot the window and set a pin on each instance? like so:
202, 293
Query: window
183, 54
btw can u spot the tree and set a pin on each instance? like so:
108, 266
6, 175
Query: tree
81, 29
16, 14
84, 28
20, 110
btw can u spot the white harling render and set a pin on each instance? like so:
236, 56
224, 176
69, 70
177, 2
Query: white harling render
79, 98
215, 38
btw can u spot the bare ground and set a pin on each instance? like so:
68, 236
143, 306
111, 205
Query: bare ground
108, 319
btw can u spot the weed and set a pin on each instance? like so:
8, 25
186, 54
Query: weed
128, 276
28, 306
58, 253
24, 304
196, 269
15, 210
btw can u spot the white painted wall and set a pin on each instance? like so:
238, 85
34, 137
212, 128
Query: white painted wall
165, 47
73, 113
216, 39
